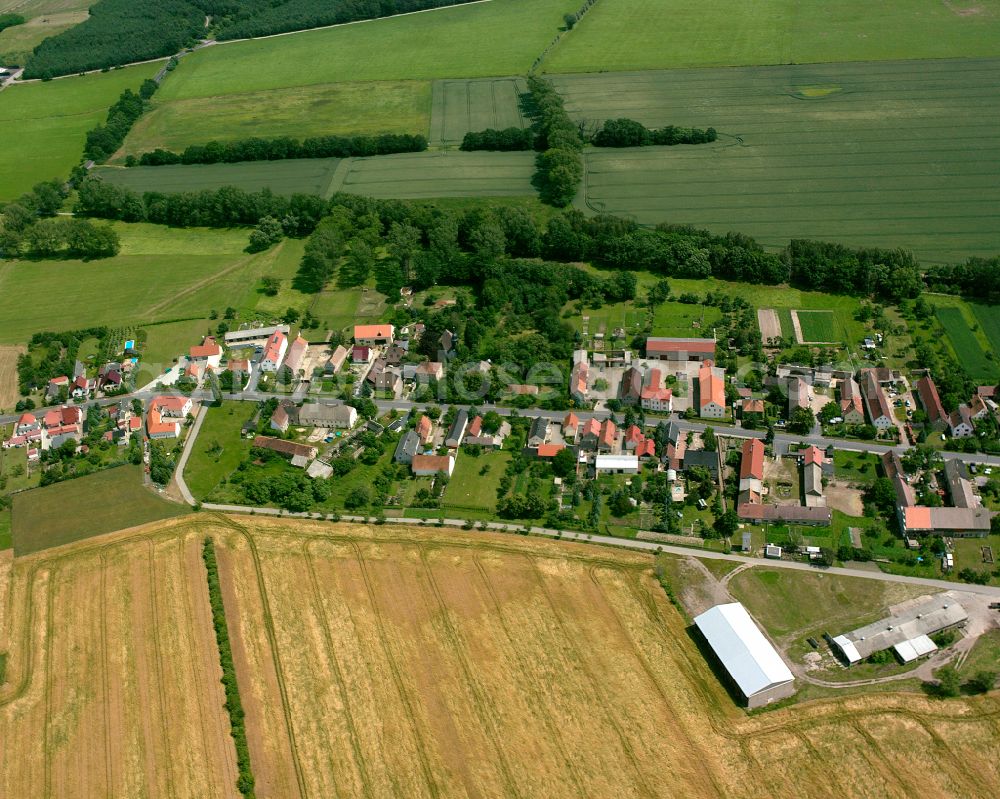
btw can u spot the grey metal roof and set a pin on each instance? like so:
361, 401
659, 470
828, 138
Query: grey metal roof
924, 618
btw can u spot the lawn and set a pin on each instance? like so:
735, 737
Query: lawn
968, 350
87, 506
818, 327
469, 488
161, 274
607, 318
680, 320
671, 33
164, 343
855, 467
502, 37
863, 162
50, 120
219, 448
336, 108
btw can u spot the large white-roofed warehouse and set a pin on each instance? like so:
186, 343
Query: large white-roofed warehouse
754, 666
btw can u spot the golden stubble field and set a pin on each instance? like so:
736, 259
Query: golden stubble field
9, 394
393, 661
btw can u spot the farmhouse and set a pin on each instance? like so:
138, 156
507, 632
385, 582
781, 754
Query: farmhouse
812, 477
654, 396
274, 351
959, 485
208, 353
680, 349
851, 409
163, 420
752, 472
711, 392
337, 360
374, 335
430, 465
754, 666
616, 464
931, 403
907, 632
799, 394
876, 403
296, 355
336, 415
281, 417
283, 447
252, 335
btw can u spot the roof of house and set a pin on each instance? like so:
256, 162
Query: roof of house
710, 386
874, 396
572, 421
921, 519
812, 454
272, 352
646, 448
432, 463
424, 426
408, 445
296, 352
959, 486
753, 406
539, 427
633, 434
695, 345
752, 462
609, 432
785, 513
207, 349
291, 448
550, 450
930, 400
338, 357
26, 418
337, 412
170, 402
701, 457
592, 427
475, 426
746, 654
372, 331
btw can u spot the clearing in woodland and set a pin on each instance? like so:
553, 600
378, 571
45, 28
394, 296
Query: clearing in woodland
470, 643
887, 154
672, 33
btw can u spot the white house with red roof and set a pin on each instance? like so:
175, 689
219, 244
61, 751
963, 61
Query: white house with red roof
711, 391
274, 352
374, 335
296, 355
654, 396
165, 415
208, 353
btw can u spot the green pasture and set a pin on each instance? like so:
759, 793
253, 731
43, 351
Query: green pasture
626, 315
461, 106
871, 161
439, 174
969, 351
657, 34
680, 320
219, 448
469, 488
291, 176
44, 124
502, 37
323, 110
819, 326
87, 506
988, 318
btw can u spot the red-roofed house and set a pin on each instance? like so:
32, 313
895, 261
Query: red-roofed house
163, 420
931, 402
430, 465
654, 396
475, 427
633, 437
296, 355
711, 392
26, 424
876, 403
607, 441
274, 352
851, 409
578, 382
550, 450
752, 472
590, 433
812, 477
56, 384
82, 387
373, 335
647, 449
570, 426
362, 355
425, 429
208, 353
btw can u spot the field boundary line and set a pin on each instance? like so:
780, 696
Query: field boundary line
338, 674
522, 663
481, 700
338, 177
47, 696
588, 671
396, 674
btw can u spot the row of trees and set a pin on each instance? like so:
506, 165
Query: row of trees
257, 149
506, 140
103, 140
978, 278
629, 133
559, 167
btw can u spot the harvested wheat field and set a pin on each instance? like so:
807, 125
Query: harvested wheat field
395, 661
9, 394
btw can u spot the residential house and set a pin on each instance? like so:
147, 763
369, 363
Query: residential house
274, 352
334, 415
431, 465
549, 451
812, 477
208, 353
252, 335
110, 377
751, 488
704, 459
799, 394
578, 382
407, 447
374, 335
959, 486
654, 396
165, 415
539, 432
429, 370
55, 386
81, 387
680, 349
875, 401
337, 360
752, 408
476, 436
589, 434
394, 355
291, 449
282, 415
295, 360
711, 392
457, 431
607, 441
931, 403
961, 423
425, 429
675, 445
570, 426
633, 437
362, 355
447, 344
389, 381
851, 408
630, 390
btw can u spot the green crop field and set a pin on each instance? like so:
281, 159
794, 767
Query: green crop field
460, 106
502, 37
439, 174
87, 506
671, 33
295, 175
44, 124
968, 350
863, 154
323, 110
988, 317
818, 327
161, 274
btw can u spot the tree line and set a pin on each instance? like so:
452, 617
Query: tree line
506, 140
978, 278
282, 147
102, 141
629, 133
121, 32
559, 167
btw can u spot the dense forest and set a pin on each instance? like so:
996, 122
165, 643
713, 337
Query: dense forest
123, 31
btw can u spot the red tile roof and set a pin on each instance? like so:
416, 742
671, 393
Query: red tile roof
930, 400
372, 331
475, 426
549, 450
811, 455
711, 387
571, 422
752, 462
694, 345
609, 432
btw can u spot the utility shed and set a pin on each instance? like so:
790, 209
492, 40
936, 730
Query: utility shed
753, 664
